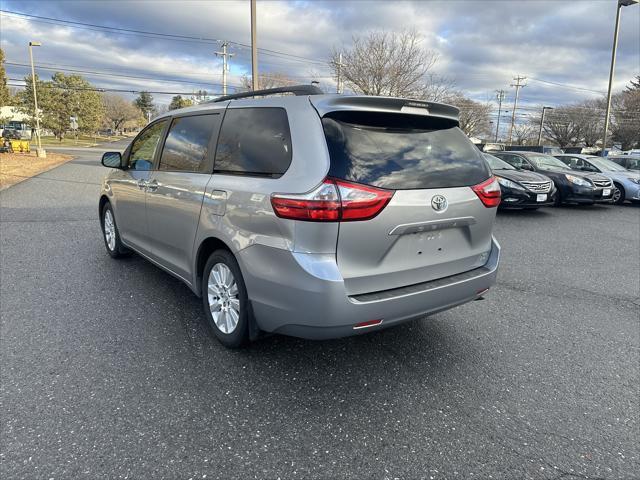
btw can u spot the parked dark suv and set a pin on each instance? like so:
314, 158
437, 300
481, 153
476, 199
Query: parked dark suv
573, 187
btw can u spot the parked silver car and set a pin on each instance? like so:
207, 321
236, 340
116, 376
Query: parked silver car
626, 183
311, 215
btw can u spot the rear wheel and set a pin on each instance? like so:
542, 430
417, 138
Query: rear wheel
110, 233
618, 194
225, 299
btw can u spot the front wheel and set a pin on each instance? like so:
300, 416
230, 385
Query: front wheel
225, 299
110, 233
618, 194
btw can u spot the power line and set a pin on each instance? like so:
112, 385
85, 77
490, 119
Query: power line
177, 37
102, 89
566, 85
109, 74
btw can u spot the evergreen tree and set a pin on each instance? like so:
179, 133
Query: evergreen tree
145, 103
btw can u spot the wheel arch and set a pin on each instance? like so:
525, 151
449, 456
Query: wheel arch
103, 201
205, 249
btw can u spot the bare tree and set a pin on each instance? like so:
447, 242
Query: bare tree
589, 117
524, 133
560, 126
385, 63
437, 88
119, 111
474, 116
267, 80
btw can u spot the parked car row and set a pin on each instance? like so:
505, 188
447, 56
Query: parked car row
531, 180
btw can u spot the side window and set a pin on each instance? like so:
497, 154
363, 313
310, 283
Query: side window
512, 159
254, 141
143, 148
187, 144
567, 160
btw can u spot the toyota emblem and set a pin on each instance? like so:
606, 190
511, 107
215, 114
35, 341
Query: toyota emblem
439, 203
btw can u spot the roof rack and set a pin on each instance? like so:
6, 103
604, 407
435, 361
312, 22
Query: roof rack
295, 89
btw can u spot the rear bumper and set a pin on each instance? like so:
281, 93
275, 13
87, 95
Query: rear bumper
303, 295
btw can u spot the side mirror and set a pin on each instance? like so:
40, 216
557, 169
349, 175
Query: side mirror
526, 166
112, 160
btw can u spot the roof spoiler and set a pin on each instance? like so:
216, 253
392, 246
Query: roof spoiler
297, 90
326, 104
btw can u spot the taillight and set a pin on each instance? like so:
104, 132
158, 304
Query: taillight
333, 201
488, 192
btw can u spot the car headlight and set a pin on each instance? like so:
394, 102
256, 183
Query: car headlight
578, 181
635, 180
509, 184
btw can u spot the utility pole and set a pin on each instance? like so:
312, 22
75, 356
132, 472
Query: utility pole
518, 86
339, 86
544, 109
36, 113
500, 94
254, 48
225, 64
621, 3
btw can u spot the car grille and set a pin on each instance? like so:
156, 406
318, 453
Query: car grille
538, 187
602, 183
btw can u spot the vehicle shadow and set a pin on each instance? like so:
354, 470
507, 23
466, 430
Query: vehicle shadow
305, 374
514, 212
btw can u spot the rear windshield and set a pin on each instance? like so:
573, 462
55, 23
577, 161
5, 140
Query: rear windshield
401, 152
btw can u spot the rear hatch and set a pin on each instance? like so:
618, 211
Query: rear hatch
435, 225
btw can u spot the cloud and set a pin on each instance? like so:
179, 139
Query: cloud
481, 44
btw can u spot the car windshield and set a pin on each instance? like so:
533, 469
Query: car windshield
633, 163
606, 165
547, 162
497, 164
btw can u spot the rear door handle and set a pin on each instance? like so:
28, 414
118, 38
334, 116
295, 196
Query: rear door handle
152, 186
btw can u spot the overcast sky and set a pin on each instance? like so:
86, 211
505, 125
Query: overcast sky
481, 44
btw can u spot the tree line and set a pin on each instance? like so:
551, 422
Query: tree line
378, 63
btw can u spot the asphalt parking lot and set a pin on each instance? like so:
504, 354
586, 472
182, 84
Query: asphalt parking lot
108, 372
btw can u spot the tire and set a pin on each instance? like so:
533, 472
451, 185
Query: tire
229, 305
110, 233
619, 200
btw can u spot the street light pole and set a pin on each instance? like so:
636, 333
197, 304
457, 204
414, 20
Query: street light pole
254, 48
36, 113
621, 3
544, 109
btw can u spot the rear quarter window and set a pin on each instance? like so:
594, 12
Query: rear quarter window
401, 152
254, 141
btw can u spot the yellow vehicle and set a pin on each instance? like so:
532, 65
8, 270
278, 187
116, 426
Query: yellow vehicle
20, 146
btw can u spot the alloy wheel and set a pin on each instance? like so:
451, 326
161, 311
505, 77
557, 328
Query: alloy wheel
616, 195
109, 230
222, 294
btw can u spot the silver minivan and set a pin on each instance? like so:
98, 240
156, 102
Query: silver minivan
312, 215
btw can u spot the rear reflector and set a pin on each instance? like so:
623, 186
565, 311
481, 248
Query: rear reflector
370, 323
488, 192
332, 201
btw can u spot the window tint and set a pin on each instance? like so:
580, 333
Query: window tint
401, 151
187, 143
254, 141
144, 147
514, 160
